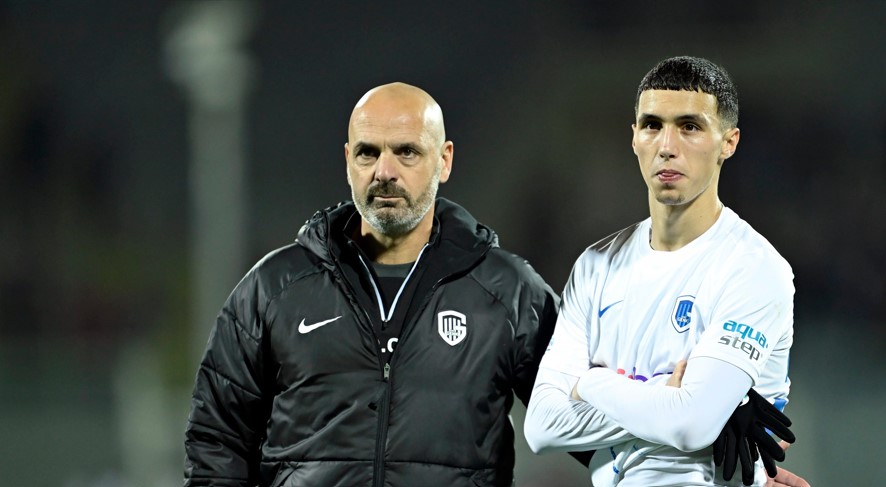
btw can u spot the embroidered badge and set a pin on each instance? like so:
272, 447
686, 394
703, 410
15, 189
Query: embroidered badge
451, 326
682, 315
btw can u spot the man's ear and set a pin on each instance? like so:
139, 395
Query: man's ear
730, 143
447, 156
634, 137
347, 155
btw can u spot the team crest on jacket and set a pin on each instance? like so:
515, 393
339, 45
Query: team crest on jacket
682, 315
451, 326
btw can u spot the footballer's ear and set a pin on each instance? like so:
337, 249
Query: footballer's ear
730, 143
634, 137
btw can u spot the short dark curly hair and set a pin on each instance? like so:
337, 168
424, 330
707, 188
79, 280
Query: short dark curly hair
694, 74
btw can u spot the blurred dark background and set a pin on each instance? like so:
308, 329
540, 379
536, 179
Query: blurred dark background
152, 151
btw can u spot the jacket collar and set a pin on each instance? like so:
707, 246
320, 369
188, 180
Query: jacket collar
457, 240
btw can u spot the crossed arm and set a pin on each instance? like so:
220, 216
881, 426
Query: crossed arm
614, 408
687, 418
559, 419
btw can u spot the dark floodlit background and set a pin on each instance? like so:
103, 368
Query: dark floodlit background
150, 152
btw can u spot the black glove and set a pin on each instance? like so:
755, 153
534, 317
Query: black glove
745, 435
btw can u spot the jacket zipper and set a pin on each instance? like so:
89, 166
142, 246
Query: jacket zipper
382, 429
384, 412
384, 403
381, 432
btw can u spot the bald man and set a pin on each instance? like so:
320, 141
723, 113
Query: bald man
385, 346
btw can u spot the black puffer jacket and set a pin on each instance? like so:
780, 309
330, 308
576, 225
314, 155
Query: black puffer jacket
278, 402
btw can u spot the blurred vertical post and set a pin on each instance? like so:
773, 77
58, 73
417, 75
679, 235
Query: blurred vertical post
207, 56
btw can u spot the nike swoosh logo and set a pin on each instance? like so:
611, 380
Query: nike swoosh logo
303, 328
603, 310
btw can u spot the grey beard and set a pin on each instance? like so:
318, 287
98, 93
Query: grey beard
390, 225
394, 225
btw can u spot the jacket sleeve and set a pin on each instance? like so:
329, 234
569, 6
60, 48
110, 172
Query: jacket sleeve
536, 317
229, 408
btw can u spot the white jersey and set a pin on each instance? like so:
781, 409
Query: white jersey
727, 295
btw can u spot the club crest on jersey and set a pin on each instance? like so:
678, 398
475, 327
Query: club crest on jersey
682, 315
451, 326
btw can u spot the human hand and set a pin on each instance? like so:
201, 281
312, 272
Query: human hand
785, 478
744, 438
676, 378
574, 395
